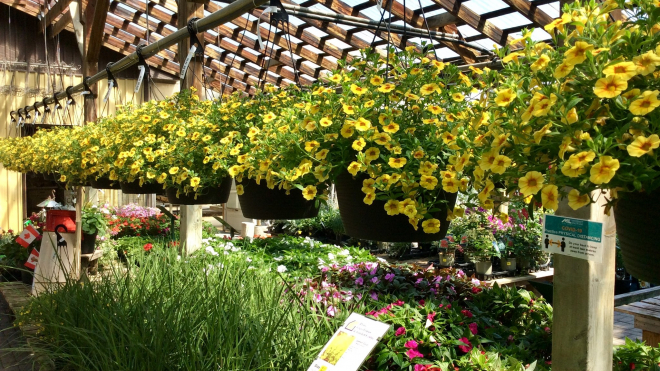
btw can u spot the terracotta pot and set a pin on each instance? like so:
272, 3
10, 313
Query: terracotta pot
208, 196
260, 202
105, 183
637, 218
371, 222
134, 188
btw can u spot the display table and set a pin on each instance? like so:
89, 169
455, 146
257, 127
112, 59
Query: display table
647, 318
56, 263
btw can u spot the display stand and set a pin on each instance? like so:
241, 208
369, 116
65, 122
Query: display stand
56, 264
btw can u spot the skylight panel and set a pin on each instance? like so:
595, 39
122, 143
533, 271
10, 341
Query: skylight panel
485, 6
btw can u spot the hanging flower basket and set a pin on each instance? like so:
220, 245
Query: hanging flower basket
134, 188
209, 196
105, 183
371, 222
637, 218
260, 202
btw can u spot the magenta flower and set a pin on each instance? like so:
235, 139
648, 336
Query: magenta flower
332, 311
359, 281
411, 344
389, 277
467, 313
398, 303
375, 280
413, 353
431, 316
400, 331
467, 347
473, 328
373, 295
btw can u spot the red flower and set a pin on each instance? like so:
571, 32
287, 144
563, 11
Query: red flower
422, 302
148, 246
398, 303
473, 328
413, 353
476, 290
465, 348
632, 365
430, 317
467, 313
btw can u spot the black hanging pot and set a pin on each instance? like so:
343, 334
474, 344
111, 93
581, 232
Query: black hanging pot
88, 243
105, 183
371, 222
134, 188
637, 216
260, 202
208, 196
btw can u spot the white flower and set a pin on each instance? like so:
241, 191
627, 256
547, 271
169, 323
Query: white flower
251, 267
321, 261
331, 256
229, 246
476, 282
382, 260
345, 252
248, 260
281, 268
211, 251
178, 257
279, 258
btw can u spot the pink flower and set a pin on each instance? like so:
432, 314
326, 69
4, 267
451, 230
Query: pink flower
375, 280
332, 311
389, 277
430, 317
359, 281
547, 329
398, 303
422, 302
425, 368
467, 313
400, 331
413, 353
373, 295
411, 344
460, 273
473, 328
465, 348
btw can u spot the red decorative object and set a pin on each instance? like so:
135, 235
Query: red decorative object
64, 217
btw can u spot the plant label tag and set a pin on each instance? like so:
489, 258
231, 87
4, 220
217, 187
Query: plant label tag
191, 53
111, 84
140, 77
578, 238
350, 345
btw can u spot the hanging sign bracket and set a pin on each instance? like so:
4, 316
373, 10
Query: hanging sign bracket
142, 66
196, 48
112, 82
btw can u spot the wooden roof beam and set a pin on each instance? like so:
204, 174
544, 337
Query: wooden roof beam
60, 7
530, 11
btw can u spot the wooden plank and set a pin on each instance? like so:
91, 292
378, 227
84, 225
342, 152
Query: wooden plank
647, 306
441, 20
647, 324
60, 7
530, 11
651, 338
655, 301
541, 275
60, 25
95, 15
634, 296
637, 311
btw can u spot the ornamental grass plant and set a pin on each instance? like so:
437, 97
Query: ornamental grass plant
176, 314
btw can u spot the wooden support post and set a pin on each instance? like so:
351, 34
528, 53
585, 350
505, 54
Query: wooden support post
191, 216
582, 334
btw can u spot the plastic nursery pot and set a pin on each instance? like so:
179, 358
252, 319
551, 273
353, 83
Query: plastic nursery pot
88, 243
134, 188
637, 216
260, 202
208, 196
371, 222
485, 268
508, 264
105, 183
446, 259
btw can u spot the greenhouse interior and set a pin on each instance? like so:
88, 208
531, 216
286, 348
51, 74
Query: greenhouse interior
329, 185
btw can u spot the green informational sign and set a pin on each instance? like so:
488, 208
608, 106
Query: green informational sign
573, 237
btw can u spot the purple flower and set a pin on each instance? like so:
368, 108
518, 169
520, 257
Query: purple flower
375, 280
389, 277
359, 281
460, 273
373, 295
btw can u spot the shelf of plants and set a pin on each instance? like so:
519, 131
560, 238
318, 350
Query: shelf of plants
410, 144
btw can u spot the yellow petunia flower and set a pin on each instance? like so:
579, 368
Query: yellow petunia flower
371, 153
458, 97
240, 190
386, 88
428, 182
428, 89
269, 117
450, 185
392, 207
354, 167
358, 144
311, 146
550, 197
174, 170
603, 171
348, 109
563, 70
646, 63
505, 97
531, 183
194, 181
397, 162
358, 90
309, 192
643, 145
436, 110
500, 164
541, 63
576, 200
610, 87
369, 198
431, 226
362, 124
376, 80
622, 70
391, 128
646, 103
578, 53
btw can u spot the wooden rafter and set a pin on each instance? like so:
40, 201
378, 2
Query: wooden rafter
530, 11
60, 7
95, 17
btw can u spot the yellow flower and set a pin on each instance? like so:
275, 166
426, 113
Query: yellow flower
161, 178
531, 183
436, 110
240, 190
371, 153
642, 145
461, 161
645, 104
504, 97
370, 103
550, 197
336, 78
194, 181
269, 117
409, 210
646, 63
358, 89
576, 200
376, 80
570, 171
353, 168
348, 109
392, 207
309, 192
250, 116
309, 125
563, 70
391, 128
428, 89
62, 178
487, 160
459, 211
311, 146
571, 116
331, 137
369, 198
321, 155
181, 133
457, 97
610, 87
359, 144
540, 63
500, 164
362, 124
623, 70
381, 138
450, 185
428, 182
397, 162
431, 226
174, 170
578, 53
604, 170
146, 118
538, 135
512, 57
386, 88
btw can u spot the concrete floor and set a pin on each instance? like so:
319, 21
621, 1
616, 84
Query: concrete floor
623, 328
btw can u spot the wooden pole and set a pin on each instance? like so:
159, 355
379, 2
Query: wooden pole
583, 319
190, 215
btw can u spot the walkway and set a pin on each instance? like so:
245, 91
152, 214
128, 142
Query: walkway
11, 338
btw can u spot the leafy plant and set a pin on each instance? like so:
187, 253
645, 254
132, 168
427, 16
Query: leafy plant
93, 220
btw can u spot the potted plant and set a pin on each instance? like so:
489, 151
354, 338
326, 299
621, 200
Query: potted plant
581, 118
481, 249
93, 221
447, 251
